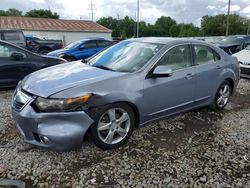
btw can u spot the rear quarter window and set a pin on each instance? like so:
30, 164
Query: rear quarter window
11, 36
204, 54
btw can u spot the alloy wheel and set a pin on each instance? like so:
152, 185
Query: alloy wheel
224, 95
113, 126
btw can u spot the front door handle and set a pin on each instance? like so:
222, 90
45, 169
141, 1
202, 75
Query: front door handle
189, 76
218, 67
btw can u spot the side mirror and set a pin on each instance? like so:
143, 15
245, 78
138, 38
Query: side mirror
16, 56
82, 47
162, 71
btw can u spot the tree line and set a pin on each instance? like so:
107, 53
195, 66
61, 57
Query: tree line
168, 27
164, 26
37, 13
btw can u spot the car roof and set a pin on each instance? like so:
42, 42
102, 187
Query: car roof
166, 40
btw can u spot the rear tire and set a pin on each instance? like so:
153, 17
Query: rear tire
44, 51
222, 96
113, 125
69, 58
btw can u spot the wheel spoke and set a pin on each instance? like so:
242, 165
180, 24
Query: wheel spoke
109, 137
220, 100
122, 132
104, 126
225, 89
123, 118
111, 114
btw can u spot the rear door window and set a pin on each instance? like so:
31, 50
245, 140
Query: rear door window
205, 55
103, 43
6, 51
90, 44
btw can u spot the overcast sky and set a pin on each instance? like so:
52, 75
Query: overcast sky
181, 10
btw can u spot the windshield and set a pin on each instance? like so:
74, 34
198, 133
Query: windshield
126, 56
231, 40
73, 45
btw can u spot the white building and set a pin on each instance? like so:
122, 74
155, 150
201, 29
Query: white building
66, 30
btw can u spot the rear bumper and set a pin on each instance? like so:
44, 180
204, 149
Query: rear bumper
55, 131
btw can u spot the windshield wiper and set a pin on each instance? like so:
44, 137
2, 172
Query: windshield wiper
103, 67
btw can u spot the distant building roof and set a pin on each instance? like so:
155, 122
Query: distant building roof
46, 24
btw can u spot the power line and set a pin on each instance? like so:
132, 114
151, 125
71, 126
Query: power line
92, 10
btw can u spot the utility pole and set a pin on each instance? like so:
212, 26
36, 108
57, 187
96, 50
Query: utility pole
248, 28
138, 18
92, 10
228, 14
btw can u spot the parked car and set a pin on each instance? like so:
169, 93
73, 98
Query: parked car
233, 44
43, 46
244, 59
125, 86
16, 63
81, 49
13, 36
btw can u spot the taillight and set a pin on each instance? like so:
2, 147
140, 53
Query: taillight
61, 45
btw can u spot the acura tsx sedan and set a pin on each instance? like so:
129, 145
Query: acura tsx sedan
125, 86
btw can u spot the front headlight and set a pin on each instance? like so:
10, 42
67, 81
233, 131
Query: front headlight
61, 105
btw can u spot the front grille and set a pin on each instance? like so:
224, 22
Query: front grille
244, 70
18, 105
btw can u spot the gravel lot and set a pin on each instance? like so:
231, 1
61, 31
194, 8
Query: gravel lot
197, 149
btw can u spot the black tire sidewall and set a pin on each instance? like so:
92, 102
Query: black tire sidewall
69, 58
215, 105
97, 113
44, 51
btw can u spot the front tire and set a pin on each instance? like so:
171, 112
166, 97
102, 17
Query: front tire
113, 125
222, 96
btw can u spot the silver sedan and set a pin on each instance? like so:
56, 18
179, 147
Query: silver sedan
126, 86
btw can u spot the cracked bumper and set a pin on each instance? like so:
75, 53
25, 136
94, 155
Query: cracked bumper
63, 131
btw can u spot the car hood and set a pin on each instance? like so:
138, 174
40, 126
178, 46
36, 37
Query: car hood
221, 45
243, 56
49, 81
58, 52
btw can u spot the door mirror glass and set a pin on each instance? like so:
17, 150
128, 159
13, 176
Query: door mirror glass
162, 71
17, 56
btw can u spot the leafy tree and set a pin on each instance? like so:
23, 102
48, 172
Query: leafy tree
216, 25
41, 13
14, 12
164, 25
188, 30
11, 12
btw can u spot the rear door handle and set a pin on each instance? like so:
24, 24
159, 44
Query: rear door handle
218, 67
189, 76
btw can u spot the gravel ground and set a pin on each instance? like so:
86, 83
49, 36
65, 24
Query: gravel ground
201, 148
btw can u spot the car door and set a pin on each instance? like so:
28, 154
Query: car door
167, 95
87, 49
14, 65
208, 70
